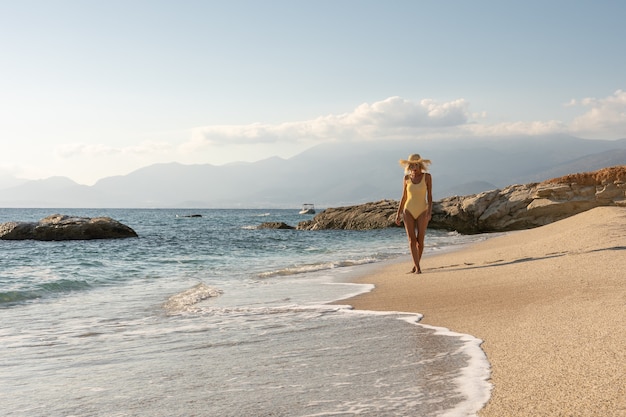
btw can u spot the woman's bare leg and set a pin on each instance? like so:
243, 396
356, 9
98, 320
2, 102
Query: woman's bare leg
410, 227
422, 224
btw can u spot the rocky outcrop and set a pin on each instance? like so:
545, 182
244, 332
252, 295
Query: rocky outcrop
530, 205
274, 225
60, 227
513, 208
362, 217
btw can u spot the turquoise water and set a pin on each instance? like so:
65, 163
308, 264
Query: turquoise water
210, 316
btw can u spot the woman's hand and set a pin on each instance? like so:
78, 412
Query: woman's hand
398, 219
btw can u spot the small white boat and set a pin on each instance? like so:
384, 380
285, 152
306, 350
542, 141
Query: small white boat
307, 208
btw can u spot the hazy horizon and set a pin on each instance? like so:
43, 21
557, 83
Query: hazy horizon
331, 174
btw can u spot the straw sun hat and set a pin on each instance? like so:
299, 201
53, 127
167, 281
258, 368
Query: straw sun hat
415, 159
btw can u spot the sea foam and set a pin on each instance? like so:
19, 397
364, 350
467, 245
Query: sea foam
184, 301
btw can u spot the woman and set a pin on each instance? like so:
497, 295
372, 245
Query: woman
416, 205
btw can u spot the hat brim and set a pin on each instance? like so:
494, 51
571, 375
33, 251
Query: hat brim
411, 162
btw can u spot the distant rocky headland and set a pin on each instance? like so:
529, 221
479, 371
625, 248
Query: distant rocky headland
515, 207
61, 227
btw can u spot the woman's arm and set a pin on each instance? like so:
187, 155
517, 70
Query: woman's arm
429, 190
402, 201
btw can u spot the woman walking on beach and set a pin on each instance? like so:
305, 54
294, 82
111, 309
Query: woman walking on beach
416, 205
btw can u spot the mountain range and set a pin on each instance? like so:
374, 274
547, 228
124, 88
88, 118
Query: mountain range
328, 175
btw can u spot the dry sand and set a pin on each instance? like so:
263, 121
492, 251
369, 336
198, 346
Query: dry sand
549, 304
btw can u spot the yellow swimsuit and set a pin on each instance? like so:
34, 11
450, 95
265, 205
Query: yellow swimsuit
416, 197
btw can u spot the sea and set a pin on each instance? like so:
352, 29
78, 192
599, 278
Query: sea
205, 314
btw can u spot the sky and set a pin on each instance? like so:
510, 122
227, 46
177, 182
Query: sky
91, 89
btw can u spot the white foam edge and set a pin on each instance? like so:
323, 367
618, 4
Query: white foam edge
474, 380
473, 383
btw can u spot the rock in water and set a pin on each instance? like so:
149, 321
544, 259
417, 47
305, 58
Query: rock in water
61, 227
378, 215
275, 225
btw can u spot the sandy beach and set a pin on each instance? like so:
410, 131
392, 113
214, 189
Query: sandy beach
549, 304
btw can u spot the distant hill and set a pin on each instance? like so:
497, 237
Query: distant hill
7, 180
473, 187
585, 163
329, 175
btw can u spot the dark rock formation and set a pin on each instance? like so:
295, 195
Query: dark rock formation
367, 216
60, 227
274, 225
513, 208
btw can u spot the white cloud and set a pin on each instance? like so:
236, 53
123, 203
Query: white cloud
606, 118
516, 128
74, 150
392, 117
399, 118
398, 112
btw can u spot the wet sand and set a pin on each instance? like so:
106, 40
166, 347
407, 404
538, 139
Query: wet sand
549, 304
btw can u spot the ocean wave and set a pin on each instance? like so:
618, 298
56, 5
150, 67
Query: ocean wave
246, 312
316, 267
63, 286
11, 297
184, 301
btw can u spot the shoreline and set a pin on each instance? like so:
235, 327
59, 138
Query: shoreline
549, 304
